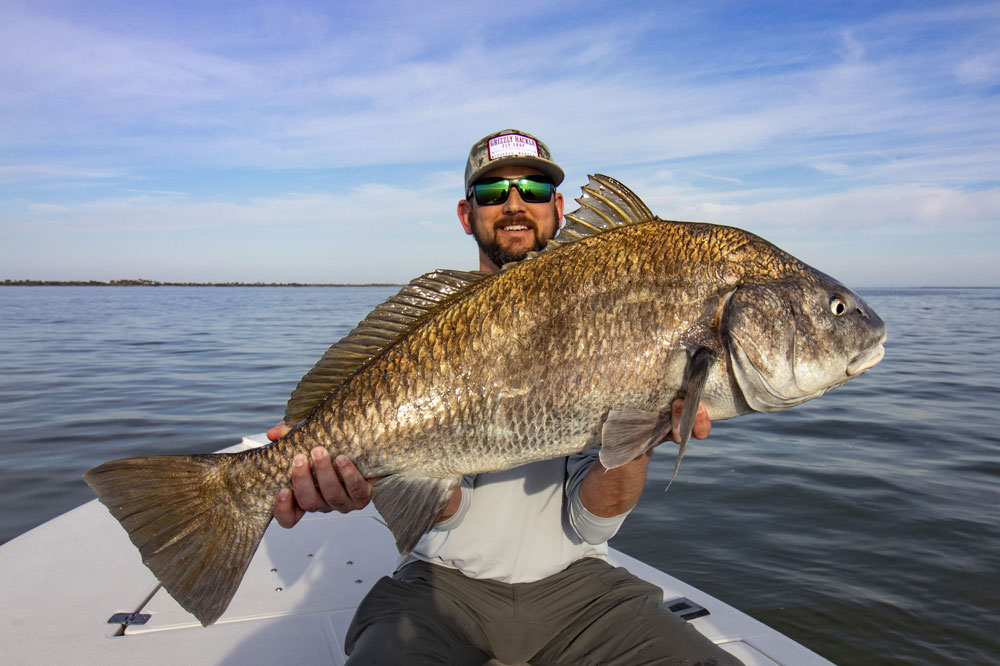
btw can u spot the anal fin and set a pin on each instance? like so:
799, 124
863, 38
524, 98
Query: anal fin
411, 505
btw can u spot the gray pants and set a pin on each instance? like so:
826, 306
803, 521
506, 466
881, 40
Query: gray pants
589, 614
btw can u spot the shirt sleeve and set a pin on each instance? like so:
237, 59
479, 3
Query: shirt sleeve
591, 528
455, 519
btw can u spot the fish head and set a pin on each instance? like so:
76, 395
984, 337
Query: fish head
795, 339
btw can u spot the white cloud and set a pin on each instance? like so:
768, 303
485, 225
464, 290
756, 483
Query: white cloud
883, 210
325, 104
389, 207
13, 173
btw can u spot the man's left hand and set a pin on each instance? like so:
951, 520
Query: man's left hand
702, 424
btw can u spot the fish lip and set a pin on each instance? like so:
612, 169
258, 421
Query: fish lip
866, 360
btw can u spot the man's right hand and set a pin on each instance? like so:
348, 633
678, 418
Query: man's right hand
331, 485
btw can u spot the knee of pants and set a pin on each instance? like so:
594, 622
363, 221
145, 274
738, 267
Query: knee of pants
400, 622
405, 640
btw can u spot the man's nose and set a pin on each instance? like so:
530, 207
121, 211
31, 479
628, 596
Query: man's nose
514, 203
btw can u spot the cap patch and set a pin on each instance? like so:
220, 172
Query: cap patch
507, 145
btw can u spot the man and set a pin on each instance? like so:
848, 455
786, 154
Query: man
514, 568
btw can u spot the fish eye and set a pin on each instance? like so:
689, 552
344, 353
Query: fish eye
838, 306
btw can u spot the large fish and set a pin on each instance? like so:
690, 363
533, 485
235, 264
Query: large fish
585, 343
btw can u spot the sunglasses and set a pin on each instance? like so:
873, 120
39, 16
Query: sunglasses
493, 191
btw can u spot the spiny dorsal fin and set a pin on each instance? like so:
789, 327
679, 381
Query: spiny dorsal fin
604, 205
379, 330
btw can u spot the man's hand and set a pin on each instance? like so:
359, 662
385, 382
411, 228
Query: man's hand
702, 424
331, 485
612, 492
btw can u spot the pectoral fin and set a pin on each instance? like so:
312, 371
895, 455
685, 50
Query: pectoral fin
411, 505
696, 378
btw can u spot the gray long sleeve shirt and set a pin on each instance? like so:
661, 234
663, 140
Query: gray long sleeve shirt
520, 525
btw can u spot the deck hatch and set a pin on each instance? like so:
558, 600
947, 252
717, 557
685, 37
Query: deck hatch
685, 608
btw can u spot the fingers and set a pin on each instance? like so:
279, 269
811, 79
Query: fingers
286, 511
278, 431
307, 492
702, 423
359, 490
340, 484
325, 487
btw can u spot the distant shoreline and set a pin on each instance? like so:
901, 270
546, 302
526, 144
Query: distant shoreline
154, 283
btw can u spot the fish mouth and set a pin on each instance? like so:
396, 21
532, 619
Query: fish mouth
865, 361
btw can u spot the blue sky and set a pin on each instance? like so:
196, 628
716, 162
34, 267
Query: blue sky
326, 141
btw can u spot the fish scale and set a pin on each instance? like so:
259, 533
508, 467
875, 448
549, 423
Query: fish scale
583, 344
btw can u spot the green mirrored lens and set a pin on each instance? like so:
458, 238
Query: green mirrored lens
534, 191
489, 192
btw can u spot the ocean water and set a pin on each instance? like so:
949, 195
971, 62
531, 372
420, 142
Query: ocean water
865, 524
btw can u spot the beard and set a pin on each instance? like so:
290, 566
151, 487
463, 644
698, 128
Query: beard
491, 247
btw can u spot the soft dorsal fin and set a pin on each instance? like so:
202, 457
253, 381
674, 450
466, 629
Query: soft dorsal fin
605, 204
379, 330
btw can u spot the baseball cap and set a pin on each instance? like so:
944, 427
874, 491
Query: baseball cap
510, 147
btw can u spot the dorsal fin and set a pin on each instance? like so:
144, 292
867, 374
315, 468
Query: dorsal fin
604, 205
376, 332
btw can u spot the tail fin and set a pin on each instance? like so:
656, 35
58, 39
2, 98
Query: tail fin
194, 530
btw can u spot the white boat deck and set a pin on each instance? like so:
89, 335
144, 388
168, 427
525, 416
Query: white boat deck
66, 578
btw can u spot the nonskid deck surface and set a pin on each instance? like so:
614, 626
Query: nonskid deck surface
65, 579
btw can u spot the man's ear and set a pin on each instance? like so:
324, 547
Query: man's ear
465, 215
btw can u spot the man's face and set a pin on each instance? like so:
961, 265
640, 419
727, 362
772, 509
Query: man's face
509, 231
